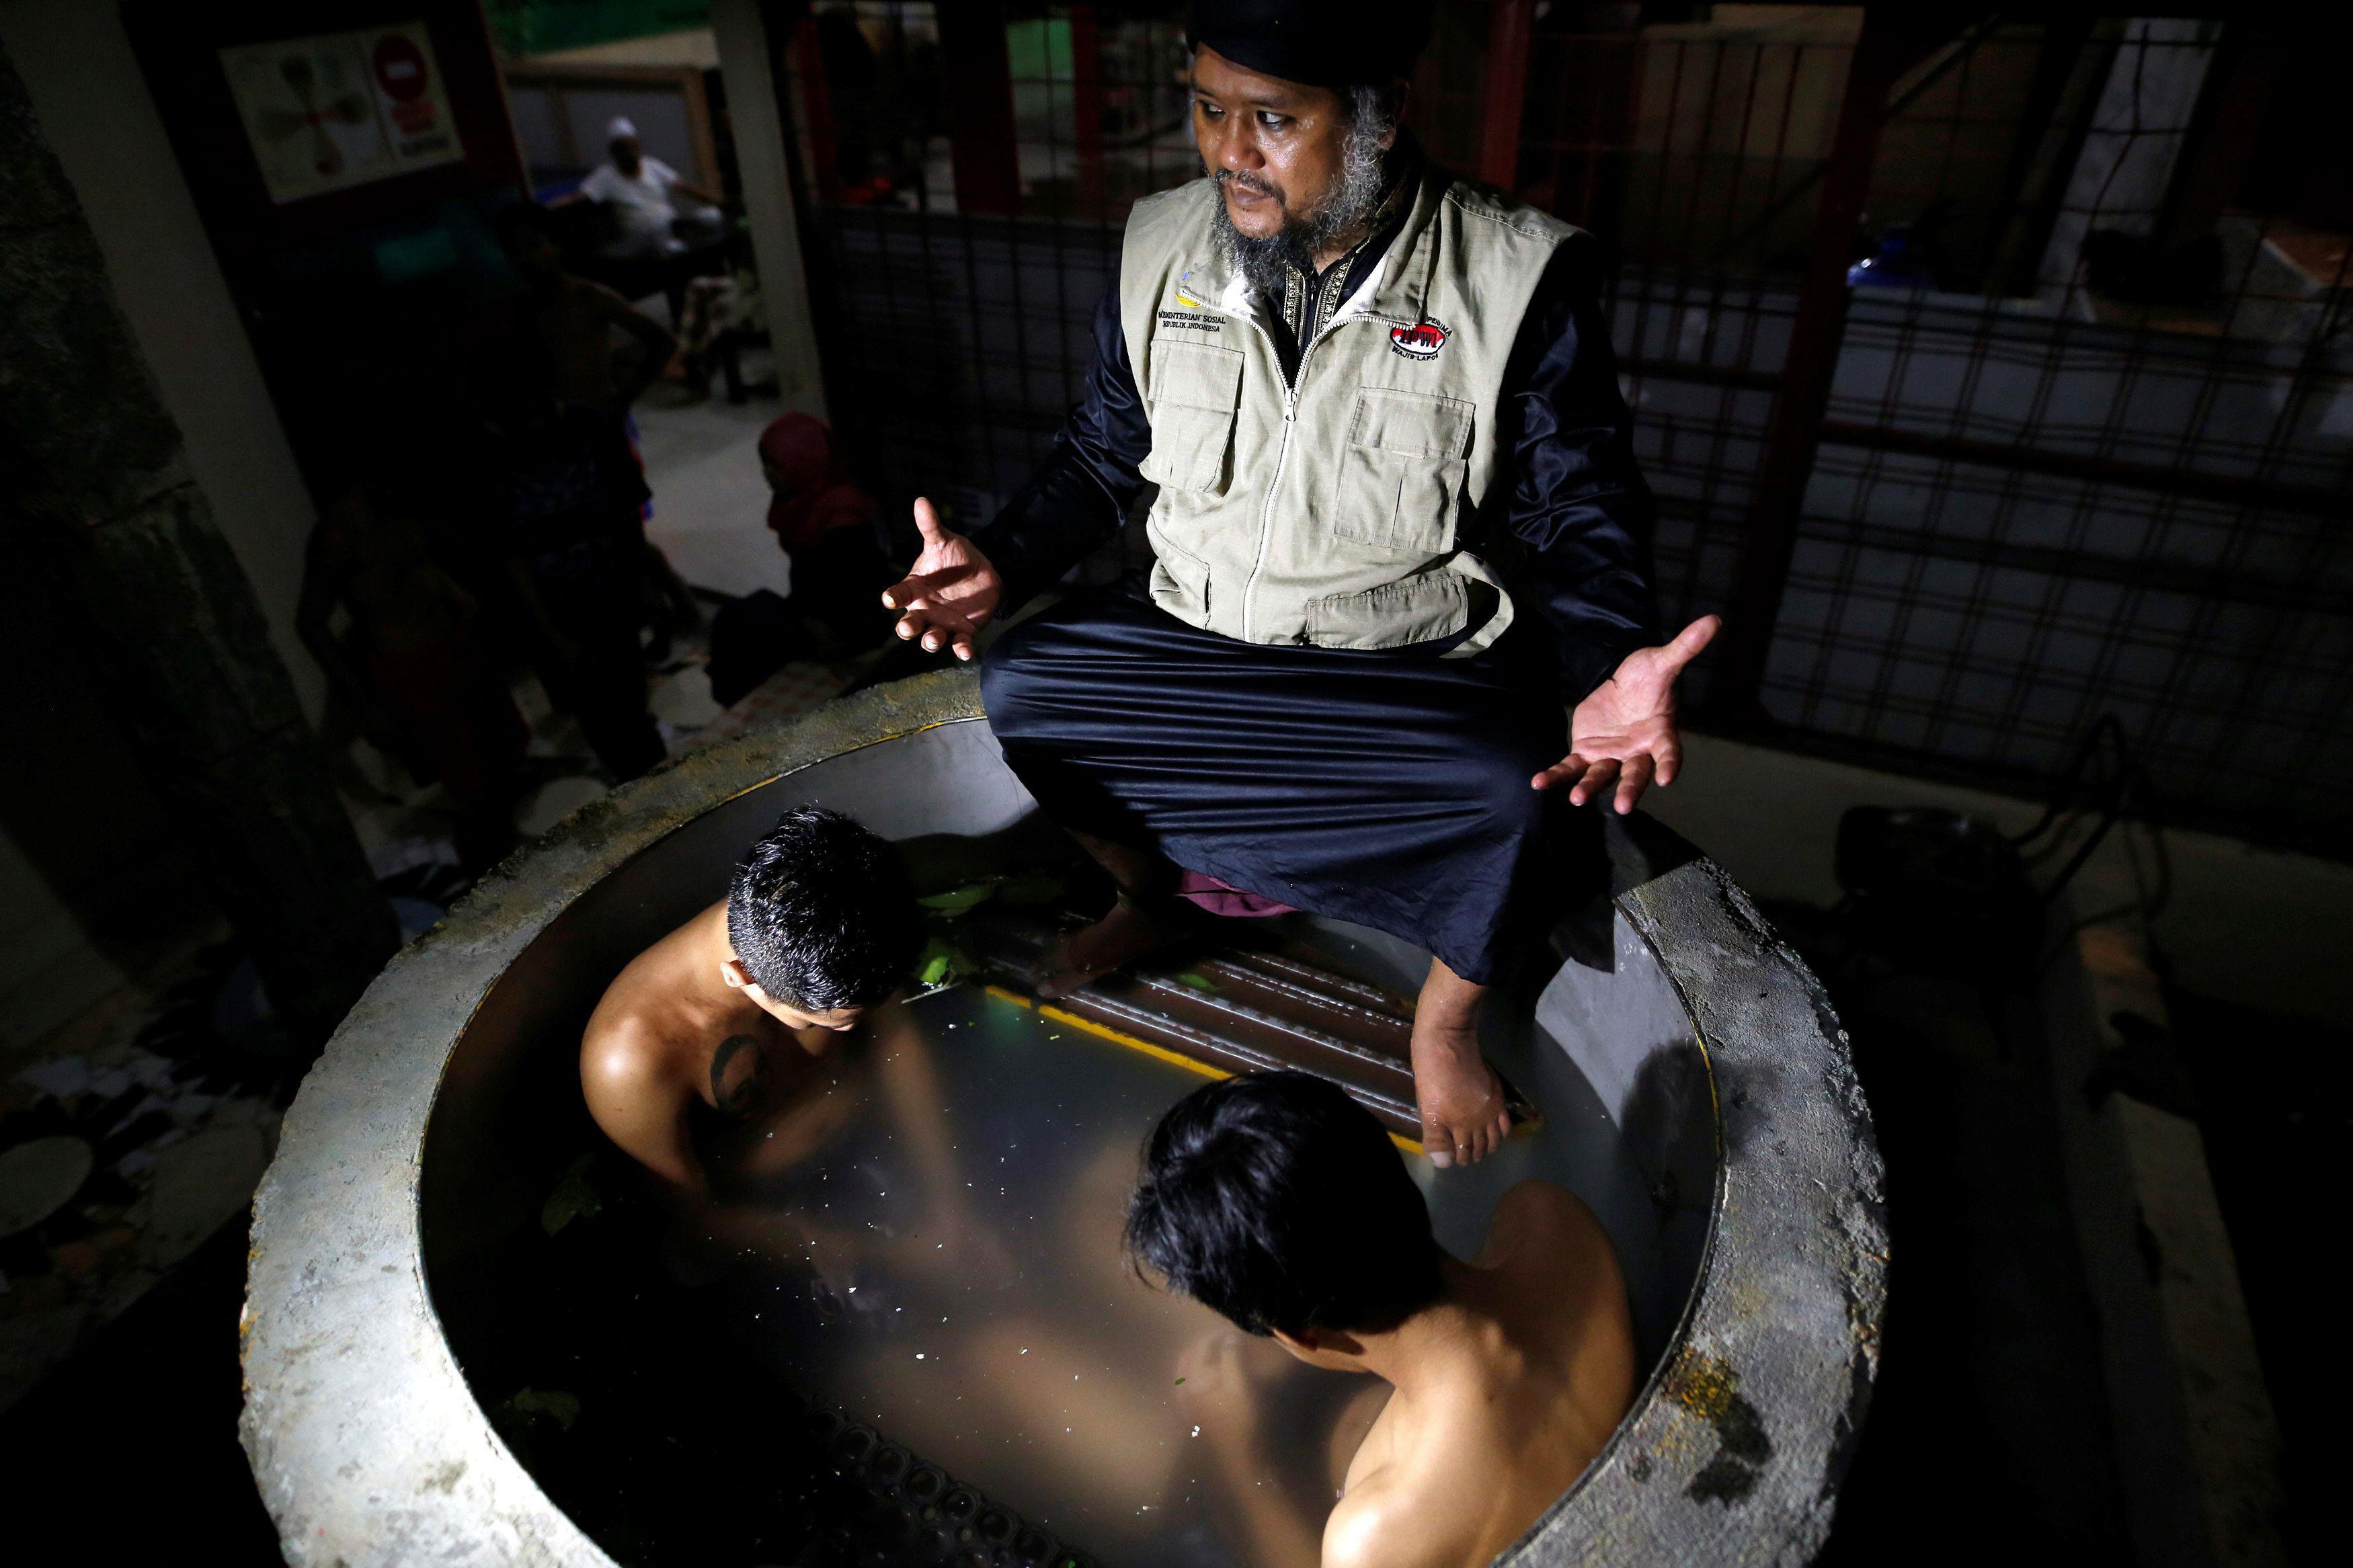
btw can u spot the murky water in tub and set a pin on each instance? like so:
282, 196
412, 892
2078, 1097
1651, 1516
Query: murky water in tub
975, 1307
946, 1271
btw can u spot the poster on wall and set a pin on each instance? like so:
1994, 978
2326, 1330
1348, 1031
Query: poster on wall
341, 109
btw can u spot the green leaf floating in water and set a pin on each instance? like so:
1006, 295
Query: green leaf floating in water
956, 901
574, 1198
941, 962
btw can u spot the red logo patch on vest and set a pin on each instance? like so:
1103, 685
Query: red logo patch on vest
1422, 342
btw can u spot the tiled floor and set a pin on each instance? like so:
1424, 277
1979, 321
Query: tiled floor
710, 505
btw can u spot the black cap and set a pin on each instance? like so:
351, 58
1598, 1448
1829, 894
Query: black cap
1320, 43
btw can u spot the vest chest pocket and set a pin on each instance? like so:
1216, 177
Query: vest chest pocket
1404, 465
1195, 389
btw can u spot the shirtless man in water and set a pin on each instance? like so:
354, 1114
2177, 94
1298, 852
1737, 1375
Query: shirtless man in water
713, 1059
1279, 1201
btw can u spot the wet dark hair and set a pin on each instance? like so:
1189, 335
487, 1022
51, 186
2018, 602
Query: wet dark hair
1279, 1201
821, 914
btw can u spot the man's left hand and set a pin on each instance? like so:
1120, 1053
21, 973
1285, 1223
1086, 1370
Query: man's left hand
1625, 730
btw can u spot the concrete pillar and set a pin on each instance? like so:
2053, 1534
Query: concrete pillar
101, 504
757, 115
99, 118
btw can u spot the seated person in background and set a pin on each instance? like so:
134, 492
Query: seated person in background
712, 312
425, 688
557, 497
642, 192
706, 1046
574, 320
1278, 1201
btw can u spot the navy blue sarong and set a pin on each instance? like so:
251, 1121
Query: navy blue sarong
1389, 789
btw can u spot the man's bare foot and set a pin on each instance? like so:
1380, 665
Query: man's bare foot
1121, 937
1464, 1119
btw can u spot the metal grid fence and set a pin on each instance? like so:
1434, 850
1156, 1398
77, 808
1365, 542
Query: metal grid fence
1992, 380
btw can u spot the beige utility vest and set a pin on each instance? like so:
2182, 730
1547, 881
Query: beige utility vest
1327, 513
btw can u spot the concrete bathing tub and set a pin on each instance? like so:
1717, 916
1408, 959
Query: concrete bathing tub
1759, 1281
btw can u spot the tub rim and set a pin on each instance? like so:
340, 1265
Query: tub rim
368, 1447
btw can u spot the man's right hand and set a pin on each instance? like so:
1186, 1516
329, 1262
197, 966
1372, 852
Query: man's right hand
950, 593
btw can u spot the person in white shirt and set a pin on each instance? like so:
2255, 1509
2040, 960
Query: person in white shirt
643, 193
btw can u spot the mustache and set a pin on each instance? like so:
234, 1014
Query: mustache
1248, 181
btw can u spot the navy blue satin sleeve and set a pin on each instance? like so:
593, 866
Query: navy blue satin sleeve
1577, 504
1081, 493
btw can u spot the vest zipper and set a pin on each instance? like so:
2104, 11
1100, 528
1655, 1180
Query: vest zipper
1282, 452
1266, 508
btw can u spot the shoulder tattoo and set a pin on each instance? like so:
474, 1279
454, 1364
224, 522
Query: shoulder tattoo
750, 1081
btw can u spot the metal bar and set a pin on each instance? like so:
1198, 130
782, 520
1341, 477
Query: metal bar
1997, 774
2227, 490
1510, 25
698, 130
1087, 108
979, 90
1736, 686
1961, 49
817, 110
2071, 564
567, 136
2223, 132
1701, 373
2055, 64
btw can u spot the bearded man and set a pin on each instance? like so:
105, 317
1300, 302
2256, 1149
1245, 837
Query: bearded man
1381, 411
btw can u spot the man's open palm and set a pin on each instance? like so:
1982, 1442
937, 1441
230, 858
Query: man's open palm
1626, 729
950, 593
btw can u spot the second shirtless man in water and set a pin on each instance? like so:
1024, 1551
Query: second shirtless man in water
1278, 1201
703, 1055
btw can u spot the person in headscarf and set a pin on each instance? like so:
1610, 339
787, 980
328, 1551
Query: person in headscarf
826, 524
1398, 534
421, 680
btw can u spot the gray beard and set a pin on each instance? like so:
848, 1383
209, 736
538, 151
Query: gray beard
1340, 218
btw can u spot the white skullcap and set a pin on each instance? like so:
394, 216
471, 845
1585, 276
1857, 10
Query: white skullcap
621, 127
